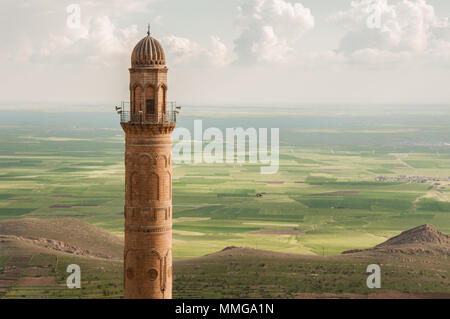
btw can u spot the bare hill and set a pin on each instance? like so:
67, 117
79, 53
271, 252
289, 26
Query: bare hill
416, 241
68, 235
424, 234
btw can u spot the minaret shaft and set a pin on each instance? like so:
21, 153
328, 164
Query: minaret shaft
148, 211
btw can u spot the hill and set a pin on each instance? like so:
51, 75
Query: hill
422, 235
68, 235
424, 240
414, 264
34, 255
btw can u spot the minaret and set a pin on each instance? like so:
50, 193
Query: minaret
148, 126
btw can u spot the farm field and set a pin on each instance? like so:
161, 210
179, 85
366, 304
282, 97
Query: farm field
349, 186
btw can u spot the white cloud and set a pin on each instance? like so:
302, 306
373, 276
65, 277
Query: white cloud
269, 29
181, 51
99, 42
40, 33
407, 28
91, 63
117, 6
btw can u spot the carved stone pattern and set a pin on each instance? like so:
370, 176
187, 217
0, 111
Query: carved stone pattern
149, 229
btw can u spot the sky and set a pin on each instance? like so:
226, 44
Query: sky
229, 52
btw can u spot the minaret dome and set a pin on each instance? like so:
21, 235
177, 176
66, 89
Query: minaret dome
148, 53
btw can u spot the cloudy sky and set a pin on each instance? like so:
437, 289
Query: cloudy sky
229, 52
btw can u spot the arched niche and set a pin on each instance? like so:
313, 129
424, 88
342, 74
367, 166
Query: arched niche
145, 161
133, 194
150, 104
138, 97
161, 161
154, 186
166, 186
162, 98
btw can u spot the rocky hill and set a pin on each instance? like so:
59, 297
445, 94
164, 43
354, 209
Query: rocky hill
69, 235
422, 239
424, 234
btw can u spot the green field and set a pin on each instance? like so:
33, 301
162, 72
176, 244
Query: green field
327, 198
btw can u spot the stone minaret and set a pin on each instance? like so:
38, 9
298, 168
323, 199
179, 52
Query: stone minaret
148, 176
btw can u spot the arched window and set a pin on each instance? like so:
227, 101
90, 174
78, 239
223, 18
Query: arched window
137, 99
162, 99
150, 100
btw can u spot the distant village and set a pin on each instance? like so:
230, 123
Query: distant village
413, 179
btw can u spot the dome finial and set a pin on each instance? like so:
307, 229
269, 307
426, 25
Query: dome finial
148, 29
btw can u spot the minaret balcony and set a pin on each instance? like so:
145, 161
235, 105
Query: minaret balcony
170, 116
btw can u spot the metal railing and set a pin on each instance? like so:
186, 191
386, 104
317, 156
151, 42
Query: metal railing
170, 116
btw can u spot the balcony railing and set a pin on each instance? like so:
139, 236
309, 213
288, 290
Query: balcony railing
126, 116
